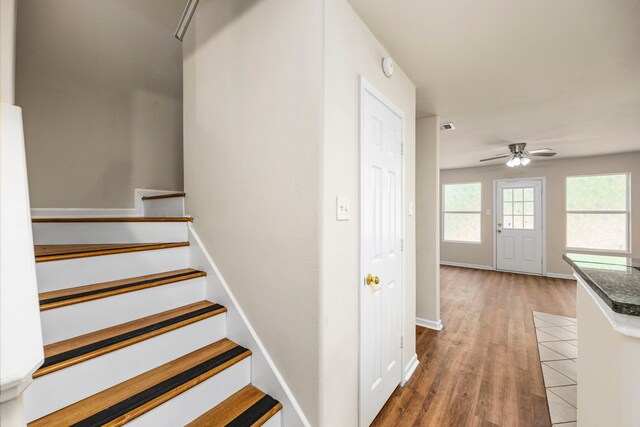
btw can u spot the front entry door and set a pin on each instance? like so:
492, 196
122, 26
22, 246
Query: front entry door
381, 251
519, 226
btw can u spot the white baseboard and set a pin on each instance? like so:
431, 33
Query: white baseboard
561, 276
464, 265
137, 210
410, 368
436, 326
488, 267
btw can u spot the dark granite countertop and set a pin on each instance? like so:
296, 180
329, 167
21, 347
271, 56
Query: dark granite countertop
615, 279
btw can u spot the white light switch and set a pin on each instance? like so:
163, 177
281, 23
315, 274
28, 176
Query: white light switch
412, 209
343, 209
488, 212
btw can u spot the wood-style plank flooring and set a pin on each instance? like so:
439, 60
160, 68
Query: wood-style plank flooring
483, 368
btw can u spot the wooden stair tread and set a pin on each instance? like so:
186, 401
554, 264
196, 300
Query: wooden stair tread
78, 294
46, 253
75, 350
248, 407
164, 196
117, 219
132, 398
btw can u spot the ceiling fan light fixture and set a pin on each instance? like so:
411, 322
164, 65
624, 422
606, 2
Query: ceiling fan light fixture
519, 156
514, 161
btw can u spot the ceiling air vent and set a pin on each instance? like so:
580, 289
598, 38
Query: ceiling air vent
447, 126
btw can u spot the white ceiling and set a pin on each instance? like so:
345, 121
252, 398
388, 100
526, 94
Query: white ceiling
563, 74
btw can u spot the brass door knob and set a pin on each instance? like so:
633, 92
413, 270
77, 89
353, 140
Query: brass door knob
372, 279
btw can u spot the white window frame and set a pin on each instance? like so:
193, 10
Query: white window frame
443, 212
627, 212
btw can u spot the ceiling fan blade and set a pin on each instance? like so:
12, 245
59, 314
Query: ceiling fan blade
543, 154
540, 150
500, 156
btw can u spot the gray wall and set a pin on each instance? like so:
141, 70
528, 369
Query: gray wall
271, 138
253, 126
351, 50
556, 172
100, 84
428, 219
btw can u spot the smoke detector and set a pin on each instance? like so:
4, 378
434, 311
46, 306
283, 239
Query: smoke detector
387, 66
447, 126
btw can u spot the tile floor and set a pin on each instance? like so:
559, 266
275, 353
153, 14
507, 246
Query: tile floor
559, 355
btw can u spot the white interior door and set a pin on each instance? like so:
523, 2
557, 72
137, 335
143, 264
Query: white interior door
519, 243
381, 233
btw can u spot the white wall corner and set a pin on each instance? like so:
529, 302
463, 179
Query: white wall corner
431, 324
21, 347
410, 368
264, 372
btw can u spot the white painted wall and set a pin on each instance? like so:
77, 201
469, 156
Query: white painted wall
556, 172
21, 348
7, 50
253, 81
608, 368
428, 221
351, 50
100, 85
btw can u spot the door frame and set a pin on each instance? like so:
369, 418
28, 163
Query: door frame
543, 207
364, 87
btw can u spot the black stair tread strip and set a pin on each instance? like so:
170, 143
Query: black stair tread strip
254, 412
115, 288
139, 399
52, 360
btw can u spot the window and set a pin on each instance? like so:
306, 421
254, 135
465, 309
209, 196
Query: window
462, 212
518, 208
598, 212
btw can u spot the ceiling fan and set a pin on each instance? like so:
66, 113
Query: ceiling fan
519, 156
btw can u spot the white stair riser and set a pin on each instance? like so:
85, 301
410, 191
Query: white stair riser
199, 399
73, 320
52, 233
92, 376
173, 206
274, 421
54, 275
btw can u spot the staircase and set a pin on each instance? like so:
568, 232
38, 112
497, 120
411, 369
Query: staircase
129, 335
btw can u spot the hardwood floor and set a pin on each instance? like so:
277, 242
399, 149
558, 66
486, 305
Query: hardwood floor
483, 368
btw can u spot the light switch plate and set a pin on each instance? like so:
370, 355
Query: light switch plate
412, 208
488, 212
343, 208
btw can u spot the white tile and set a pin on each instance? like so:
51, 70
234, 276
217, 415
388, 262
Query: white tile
540, 322
568, 393
556, 320
559, 333
568, 368
560, 411
543, 336
571, 328
563, 347
548, 354
571, 424
573, 342
553, 378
